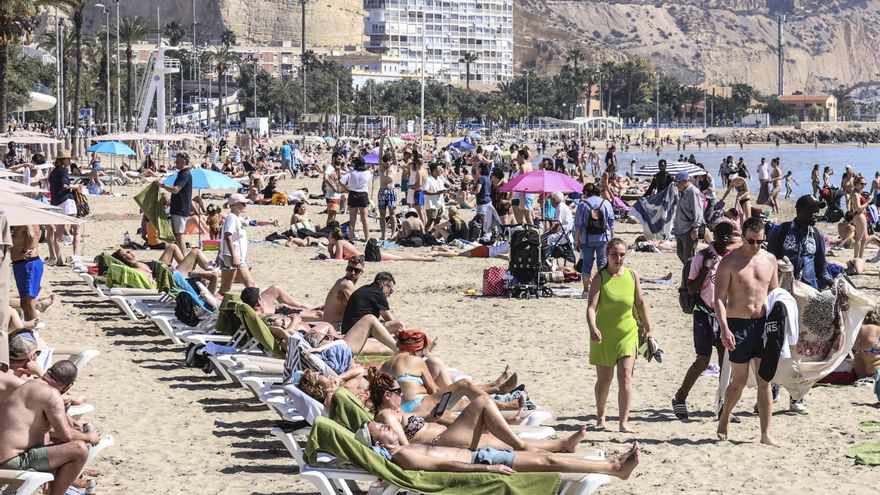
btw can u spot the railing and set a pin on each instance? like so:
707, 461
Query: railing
145, 82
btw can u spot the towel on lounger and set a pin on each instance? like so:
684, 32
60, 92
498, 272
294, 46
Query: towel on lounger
332, 438
227, 321
150, 201
259, 330
119, 275
348, 410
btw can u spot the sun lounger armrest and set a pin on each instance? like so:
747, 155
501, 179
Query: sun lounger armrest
121, 291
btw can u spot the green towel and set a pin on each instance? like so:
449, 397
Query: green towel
866, 453
348, 410
103, 261
164, 278
119, 275
259, 330
332, 438
227, 322
150, 202
870, 426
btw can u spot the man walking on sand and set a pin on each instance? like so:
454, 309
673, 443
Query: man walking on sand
742, 282
181, 198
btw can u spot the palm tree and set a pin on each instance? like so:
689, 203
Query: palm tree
75, 8
175, 33
228, 38
573, 57
468, 58
131, 31
220, 58
17, 22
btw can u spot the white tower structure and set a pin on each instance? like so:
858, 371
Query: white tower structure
155, 92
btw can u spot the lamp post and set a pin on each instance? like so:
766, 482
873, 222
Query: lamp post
107, 109
303, 52
118, 72
59, 67
424, 57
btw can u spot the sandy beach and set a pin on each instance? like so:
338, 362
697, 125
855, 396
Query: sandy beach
178, 430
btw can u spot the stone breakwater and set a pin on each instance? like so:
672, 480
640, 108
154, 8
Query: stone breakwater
853, 133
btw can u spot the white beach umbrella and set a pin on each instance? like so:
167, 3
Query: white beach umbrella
672, 168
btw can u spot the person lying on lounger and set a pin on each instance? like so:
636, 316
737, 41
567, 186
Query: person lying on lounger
275, 300
193, 264
481, 419
383, 440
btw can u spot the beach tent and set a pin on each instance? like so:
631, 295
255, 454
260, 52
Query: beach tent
463, 145
672, 168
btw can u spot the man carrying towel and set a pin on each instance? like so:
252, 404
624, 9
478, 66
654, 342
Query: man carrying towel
744, 279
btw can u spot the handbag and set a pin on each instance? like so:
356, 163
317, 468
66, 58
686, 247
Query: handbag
493, 281
649, 347
82, 204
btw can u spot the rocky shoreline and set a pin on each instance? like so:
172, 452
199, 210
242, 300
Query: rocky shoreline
799, 136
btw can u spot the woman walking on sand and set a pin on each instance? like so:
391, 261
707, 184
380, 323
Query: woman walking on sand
614, 333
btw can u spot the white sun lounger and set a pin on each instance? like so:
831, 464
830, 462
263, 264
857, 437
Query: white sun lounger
22, 482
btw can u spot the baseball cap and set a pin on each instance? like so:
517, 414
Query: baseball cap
22, 344
807, 201
363, 435
236, 198
682, 176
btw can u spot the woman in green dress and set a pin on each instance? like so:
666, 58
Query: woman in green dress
614, 334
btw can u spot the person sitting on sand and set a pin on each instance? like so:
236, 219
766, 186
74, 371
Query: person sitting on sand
339, 295
866, 350
383, 439
28, 414
275, 300
187, 265
340, 249
410, 226
480, 419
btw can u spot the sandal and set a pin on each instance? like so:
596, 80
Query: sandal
680, 409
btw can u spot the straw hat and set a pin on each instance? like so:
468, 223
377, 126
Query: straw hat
64, 153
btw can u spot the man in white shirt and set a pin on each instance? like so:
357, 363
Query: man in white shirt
331, 187
435, 189
560, 233
764, 179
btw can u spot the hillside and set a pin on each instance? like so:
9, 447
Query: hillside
828, 42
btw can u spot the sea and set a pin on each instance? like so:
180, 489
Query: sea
797, 158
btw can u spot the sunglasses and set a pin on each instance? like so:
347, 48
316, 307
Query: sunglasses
755, 242
353, 269
397, 391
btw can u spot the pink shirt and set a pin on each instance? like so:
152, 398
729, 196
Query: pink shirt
707, 291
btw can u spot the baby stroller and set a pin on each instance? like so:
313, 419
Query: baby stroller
832, 197
525, 266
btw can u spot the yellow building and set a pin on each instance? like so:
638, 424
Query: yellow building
802, 103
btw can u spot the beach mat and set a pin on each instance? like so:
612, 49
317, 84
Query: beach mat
866, 454
870, 426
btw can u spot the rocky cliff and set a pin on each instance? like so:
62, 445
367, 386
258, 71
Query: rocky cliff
329, 23
828, 42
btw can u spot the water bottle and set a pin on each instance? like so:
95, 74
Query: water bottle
126, 239
91, 487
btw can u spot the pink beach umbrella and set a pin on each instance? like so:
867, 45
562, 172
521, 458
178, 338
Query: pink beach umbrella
543, 181
408, 137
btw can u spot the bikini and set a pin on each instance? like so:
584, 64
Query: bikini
410, 405
413, 426
871, 350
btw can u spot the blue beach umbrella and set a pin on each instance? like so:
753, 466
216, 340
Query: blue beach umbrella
475, 135
111, 148
463, 145
206, 179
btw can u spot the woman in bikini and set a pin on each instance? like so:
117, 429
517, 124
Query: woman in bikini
743, 201
857, 204
341, 249
814, 180
444, 430
866, 350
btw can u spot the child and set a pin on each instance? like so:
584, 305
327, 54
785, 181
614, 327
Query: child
788, 180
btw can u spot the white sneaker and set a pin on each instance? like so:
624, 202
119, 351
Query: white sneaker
798, 406
67, 240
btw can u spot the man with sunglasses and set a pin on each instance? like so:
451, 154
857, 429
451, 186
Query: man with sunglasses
742, 282
368, 309
29, 412
340, 293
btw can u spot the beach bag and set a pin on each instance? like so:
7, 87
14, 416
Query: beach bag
82, 204
197, 358
185, 309
279, 199
475, 229
414, 240
596, 223
493, 281
372, 253
685, 300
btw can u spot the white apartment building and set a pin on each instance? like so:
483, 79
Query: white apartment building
401, 30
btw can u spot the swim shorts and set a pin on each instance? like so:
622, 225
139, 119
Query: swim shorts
418, 198
492, 457
28, 274
333, 205
387, 198
749, 336
178, 224
704, 335
36, 459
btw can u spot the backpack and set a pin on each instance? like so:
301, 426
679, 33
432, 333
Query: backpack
596, 223
197, 358
475, 229
372, 253
185, 309
685, 300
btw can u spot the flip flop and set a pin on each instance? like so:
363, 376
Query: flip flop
680, 409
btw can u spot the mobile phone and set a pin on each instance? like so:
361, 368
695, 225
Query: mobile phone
444, 403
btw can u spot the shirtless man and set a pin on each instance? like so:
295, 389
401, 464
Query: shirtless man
411, 224
8, 383
387, 194
27, 267
384, 439
742, 282
337, 298
26, 417
417, 177
275, 300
